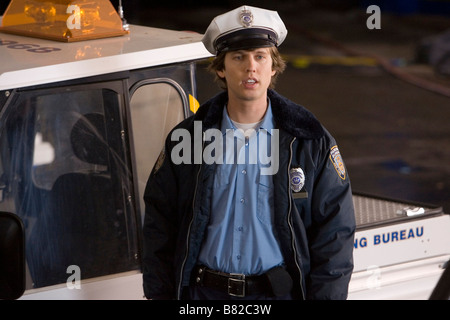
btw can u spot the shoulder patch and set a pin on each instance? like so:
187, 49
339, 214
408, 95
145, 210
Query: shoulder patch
336, 160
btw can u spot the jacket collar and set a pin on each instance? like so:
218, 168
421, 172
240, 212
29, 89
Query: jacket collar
289, 116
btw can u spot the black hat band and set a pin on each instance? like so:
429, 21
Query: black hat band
246, 39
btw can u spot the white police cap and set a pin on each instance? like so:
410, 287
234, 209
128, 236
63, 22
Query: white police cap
244, 28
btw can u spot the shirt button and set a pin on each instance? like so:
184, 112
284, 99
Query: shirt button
240, 228
242, 200
244, 171
238, 257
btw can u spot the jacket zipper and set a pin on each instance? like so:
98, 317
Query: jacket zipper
290, 219
190, 225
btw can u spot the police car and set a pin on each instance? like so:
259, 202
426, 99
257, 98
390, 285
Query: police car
85, 104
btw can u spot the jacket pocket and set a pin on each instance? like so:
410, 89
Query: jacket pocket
265, 198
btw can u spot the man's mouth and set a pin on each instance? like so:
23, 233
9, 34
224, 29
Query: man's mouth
250, 81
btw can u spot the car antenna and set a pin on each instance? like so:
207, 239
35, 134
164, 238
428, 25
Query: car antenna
125, 25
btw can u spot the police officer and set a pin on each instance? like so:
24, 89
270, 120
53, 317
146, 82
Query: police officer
264, 209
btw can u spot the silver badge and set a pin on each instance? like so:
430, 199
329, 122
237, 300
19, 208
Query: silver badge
246, 17
297, 178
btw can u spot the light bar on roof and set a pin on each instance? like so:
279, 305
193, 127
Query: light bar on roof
63, 20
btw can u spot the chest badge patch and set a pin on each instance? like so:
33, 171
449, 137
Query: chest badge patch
297, 178
336, 160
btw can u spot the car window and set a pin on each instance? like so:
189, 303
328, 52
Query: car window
155, 109
64, 172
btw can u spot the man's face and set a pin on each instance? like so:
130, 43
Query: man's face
248, 73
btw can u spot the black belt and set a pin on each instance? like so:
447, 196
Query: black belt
235, 284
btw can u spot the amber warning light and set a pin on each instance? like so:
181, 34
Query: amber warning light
63, 20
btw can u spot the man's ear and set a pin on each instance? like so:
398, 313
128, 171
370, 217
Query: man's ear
221, 73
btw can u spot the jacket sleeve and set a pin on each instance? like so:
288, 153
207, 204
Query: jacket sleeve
159, 230
331, 235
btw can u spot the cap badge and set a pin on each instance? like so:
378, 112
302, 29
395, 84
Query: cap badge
297, 178
246, 17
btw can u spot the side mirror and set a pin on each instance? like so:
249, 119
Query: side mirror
12, 256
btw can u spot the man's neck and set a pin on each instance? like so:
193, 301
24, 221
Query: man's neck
247, 111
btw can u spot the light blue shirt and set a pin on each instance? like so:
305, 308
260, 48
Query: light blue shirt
240, 235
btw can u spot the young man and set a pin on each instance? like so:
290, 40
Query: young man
263, 208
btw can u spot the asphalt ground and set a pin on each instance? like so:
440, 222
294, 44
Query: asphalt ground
388, 111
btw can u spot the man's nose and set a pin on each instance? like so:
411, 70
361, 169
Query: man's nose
251, 64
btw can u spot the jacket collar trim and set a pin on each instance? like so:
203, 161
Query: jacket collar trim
289, 116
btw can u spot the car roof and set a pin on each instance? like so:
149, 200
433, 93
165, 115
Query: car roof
27, 61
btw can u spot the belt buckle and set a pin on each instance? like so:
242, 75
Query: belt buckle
236, 285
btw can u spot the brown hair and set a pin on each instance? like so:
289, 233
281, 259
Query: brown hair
218, 64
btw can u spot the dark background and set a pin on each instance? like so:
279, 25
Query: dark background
391, 121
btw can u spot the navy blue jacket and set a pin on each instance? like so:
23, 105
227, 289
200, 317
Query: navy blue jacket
314, 226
